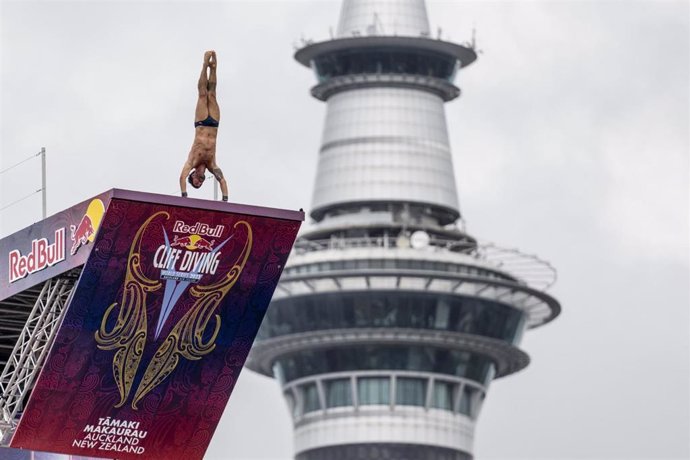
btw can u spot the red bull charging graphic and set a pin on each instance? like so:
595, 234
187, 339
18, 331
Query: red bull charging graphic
85, 230
158, 328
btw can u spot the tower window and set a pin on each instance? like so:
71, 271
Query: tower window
373, 390
384, 61
442, 396
466, 400
410, 391
338, 393
311, 398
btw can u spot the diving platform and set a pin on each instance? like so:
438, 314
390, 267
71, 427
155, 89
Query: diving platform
126, 319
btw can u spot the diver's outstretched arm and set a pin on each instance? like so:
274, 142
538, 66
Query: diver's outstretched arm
186, 169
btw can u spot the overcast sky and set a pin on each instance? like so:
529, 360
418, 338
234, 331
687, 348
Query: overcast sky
570, 141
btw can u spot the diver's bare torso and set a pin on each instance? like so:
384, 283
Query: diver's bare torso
203, 151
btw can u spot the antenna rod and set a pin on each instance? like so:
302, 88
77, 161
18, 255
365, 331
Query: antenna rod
43, 178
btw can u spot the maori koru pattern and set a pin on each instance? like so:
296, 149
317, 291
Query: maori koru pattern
129, 333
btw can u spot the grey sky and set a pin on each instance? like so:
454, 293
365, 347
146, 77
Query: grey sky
570, 141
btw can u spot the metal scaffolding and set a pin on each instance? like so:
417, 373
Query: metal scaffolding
29, 352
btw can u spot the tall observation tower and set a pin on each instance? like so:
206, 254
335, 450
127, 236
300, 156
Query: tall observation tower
390, 321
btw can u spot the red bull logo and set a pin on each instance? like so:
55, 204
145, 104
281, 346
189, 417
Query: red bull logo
181, 242
189, 256
199, 228
204, 244
81, 233
183, 255
85, 231
42, 255
192, 243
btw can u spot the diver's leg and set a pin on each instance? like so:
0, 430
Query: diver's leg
213, 108
201, 112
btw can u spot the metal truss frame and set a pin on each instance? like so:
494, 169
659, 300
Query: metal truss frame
33, 344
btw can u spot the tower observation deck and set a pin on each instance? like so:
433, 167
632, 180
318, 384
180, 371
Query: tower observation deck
391, 321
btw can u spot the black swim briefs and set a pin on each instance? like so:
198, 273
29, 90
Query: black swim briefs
209, 121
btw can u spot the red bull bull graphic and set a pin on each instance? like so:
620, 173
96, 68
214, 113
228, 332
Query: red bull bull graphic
158, 329
81, 234
181, 242
85, 231
204, 244
192, 242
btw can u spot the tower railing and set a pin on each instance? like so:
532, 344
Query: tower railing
529, 268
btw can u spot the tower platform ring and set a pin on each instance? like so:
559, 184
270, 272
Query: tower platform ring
540, 307
464, 54
373, 373
507, 358
317, 238
526, 269
442, 88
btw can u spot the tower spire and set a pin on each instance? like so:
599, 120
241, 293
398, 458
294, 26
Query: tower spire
392, 17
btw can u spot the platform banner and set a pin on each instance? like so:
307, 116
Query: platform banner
50, 247
158, 329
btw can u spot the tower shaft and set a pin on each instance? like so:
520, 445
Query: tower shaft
382, 147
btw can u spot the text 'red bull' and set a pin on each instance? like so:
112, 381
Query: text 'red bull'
199, 228
42, 255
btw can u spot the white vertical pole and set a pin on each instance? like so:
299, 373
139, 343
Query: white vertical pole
215, 189
43, 178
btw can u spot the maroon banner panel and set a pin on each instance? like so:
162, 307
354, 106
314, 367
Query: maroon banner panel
159, 326
50, 247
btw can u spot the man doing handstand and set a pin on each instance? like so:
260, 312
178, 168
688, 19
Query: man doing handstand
202, 156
